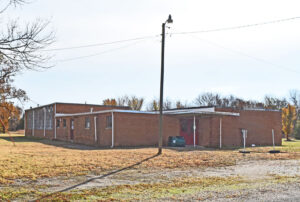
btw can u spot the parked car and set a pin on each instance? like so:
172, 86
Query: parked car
176, 141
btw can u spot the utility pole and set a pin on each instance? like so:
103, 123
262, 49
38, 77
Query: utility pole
161, 98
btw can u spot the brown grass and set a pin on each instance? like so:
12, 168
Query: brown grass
32, 159
186, 186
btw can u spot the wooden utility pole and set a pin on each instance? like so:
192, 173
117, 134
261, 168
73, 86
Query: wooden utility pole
161, 98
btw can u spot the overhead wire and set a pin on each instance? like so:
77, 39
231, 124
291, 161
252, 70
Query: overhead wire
140, 39
101, 44
247, 55
99, 53
154, 36
239, 27
33, 101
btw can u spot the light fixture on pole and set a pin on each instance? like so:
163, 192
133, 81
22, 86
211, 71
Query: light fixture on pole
161, 97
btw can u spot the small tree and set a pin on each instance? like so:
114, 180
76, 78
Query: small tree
288, 118
132, 102
8, 112
153, 105
135, 103
110, 102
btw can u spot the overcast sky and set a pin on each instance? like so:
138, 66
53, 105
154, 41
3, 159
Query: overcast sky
249, 62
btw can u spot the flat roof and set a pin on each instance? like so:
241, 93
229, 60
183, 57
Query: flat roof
250, 109
199, 111
67, 103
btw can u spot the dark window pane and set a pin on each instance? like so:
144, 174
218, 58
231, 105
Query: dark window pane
108, 122
87, 122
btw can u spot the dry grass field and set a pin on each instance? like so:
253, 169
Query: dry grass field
25, 161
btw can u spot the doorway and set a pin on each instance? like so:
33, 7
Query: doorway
187, 131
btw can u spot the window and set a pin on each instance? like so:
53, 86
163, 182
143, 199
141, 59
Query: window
87, 123
64, 123
49, 117
109, 122
57, 123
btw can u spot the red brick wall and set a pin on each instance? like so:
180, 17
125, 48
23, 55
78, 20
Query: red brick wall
204, 131
143, 129
84, 135
81, 134
49, 134
258, 123
129, 130
64, 133
103, 133
79, 108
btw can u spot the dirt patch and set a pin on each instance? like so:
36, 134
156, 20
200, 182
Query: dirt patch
258, 169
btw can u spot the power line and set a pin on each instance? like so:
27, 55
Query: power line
154, 36
100, 53
33, 101
249, 56
238, 27
101, 44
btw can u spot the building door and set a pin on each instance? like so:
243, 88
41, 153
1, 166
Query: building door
72, 129
187, 131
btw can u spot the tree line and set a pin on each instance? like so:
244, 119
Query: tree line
208, 99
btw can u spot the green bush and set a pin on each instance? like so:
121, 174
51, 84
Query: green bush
296, 132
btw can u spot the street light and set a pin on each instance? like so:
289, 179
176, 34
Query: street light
161, 98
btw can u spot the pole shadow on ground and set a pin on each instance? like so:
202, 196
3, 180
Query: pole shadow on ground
96, 178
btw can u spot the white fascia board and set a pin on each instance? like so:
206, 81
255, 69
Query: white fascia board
208, 109
189, 111
106, 111
206, 113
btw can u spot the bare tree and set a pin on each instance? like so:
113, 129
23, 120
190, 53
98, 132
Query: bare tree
123, 100
294, 97
215, 99
295, 100
180, 105
167, 104
21, 49
208, 99
275, 103
154, 105
23, 44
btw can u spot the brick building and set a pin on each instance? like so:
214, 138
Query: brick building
110, 126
